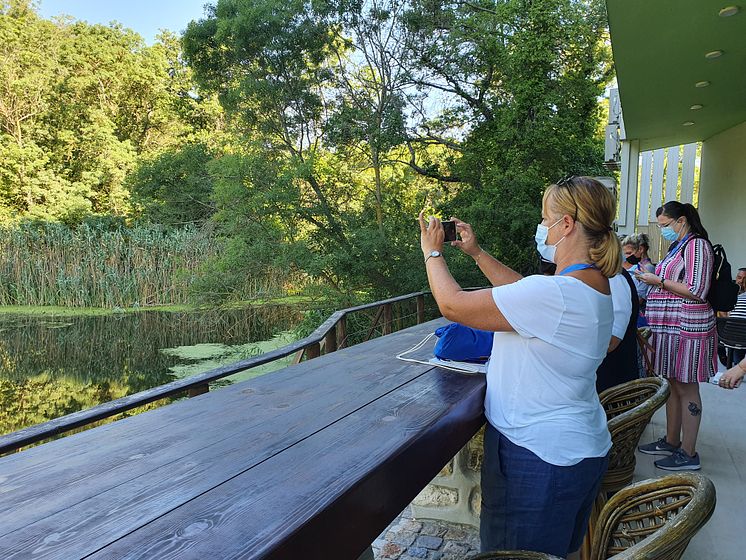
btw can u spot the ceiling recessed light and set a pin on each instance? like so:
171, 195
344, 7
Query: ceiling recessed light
703, 83
687, 123
696, 107
729, 11
714, 54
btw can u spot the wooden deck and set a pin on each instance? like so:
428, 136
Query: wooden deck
312, 461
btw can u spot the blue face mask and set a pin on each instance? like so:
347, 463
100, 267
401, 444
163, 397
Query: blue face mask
669, 234
546, 251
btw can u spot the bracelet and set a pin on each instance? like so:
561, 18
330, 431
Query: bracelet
479, 255
740, 366
663, 286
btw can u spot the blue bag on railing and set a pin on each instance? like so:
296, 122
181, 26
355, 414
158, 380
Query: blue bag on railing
463, 344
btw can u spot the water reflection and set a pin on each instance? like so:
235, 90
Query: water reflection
54, 366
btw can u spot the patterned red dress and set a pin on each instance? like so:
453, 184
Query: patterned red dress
684, 333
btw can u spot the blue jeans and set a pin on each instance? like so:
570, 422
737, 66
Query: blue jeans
529, 504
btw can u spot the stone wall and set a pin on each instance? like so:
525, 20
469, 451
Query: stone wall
455, 494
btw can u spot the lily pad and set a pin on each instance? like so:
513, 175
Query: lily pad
204, 357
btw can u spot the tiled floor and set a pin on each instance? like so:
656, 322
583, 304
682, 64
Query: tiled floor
722, 450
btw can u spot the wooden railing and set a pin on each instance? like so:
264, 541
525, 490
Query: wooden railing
330, 336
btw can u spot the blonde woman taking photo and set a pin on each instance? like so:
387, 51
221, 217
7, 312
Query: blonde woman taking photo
546, 441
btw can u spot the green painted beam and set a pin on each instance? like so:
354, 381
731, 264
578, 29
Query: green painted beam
659, 51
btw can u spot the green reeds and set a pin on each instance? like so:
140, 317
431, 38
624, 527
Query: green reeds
53, 264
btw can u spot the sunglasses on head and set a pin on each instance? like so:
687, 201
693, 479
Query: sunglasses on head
567, 182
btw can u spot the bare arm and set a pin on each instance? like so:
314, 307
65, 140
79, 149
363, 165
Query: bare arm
473, 309
496, 272
678, 288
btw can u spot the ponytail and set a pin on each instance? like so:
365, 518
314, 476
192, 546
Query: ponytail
692, 216
675, 209
606, 252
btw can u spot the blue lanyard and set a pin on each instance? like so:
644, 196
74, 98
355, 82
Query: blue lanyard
677, 248
578, 266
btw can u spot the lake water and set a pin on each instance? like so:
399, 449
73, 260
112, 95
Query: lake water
52, 366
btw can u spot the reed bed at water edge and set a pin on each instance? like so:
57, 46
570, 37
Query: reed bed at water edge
89, 266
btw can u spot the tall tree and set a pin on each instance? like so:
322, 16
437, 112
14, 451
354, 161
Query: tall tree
29, 52
368, 119
81, 106
519, 83
489, 99
267, 62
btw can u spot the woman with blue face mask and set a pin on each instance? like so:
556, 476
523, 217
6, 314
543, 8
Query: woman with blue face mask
546, 441
684, 332
636, 262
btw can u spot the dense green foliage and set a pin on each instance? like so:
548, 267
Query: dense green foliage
363, 112
81, 106
337, 121
528, 75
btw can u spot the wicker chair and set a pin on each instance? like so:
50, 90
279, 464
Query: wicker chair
654, 519
628, 407
513, 555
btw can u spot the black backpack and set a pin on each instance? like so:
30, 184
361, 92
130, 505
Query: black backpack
723, 292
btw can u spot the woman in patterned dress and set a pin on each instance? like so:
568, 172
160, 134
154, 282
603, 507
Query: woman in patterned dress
684, 333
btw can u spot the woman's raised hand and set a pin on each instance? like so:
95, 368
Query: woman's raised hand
431, 235
468, 242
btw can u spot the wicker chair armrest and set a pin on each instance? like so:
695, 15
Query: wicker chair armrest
646, 408
675, 533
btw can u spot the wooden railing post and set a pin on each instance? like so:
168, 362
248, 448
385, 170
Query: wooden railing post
342, 332
330, 341
374, 324
387, 318
313, 351
298, 358
420, 309
198, 390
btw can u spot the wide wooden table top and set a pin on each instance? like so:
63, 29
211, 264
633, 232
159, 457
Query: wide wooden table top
312, 461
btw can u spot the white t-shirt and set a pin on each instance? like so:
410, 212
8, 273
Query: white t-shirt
541, 379
621, 298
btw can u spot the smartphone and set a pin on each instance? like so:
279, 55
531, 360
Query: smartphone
449, 227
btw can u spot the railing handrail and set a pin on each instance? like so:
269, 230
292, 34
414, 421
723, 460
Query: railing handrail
33, 434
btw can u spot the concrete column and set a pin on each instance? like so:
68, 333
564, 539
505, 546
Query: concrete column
628, 186
455, 494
